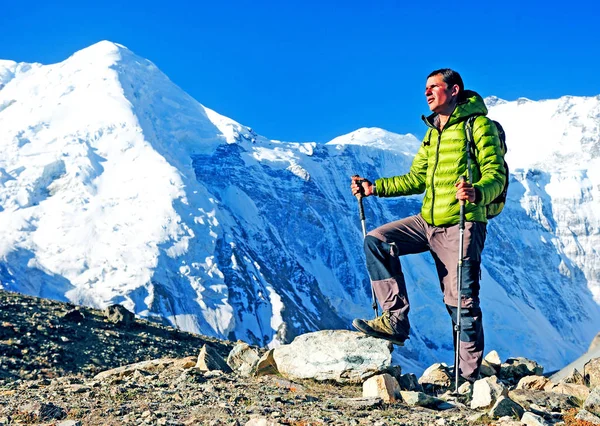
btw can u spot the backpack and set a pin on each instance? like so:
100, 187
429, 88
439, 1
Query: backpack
495, 207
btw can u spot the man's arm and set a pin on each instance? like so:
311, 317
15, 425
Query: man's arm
411, 183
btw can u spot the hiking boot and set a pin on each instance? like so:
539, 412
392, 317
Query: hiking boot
381, 328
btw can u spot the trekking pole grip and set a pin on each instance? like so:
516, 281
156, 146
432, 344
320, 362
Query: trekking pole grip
359, 196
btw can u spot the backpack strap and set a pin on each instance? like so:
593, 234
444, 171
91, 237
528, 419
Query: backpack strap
469, 144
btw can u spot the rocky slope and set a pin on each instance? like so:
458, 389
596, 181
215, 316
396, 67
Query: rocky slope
60, 367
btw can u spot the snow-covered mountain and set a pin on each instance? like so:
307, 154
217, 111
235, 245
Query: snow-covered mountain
117, 186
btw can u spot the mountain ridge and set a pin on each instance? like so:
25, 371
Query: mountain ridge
147, 198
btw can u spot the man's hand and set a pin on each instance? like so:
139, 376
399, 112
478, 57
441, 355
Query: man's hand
465, 191
361, 186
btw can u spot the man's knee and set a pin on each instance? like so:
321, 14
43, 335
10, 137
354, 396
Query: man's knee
374, 245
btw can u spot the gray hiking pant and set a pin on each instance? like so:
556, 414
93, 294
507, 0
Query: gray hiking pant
411, 235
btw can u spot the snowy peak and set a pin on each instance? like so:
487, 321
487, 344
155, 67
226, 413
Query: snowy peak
375, 137
104, 53
553, 134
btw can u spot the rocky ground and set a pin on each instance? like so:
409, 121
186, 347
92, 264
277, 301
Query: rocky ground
59, 366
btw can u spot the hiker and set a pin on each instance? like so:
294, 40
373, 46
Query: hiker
436, 170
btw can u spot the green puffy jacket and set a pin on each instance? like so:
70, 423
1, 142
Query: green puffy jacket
442, 159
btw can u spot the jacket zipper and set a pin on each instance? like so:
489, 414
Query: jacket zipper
437, 156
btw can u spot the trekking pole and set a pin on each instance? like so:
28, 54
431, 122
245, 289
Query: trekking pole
361, 212
461, 241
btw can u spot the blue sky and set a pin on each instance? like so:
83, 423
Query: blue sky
313, 70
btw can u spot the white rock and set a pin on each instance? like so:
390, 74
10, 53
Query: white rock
531, 419
493, 358
486, 391
339, 355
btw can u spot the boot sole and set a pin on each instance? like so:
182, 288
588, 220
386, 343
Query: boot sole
360, 326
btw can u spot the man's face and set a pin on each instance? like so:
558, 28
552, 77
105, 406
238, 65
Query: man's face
439, 96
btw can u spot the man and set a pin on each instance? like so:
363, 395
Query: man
437, 170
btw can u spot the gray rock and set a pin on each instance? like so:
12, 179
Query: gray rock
516, 368
490, 366
151, 366
420, 399
591, 372
586, 416
592, 403
574, 377
486, 392
531, 419
508, 421
118, 314
488, 370
210, 359
243, 359
338, 355
40, 411
580, 392
504, 406
359, 403
550, 400
436, 377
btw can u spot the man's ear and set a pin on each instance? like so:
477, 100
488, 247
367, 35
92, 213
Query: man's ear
455, 90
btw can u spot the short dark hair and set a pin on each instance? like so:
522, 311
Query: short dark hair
450, 77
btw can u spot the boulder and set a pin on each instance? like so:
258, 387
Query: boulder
118, 314
436, 377
36, 412
420, 399
580, 392
508, 421
466, 389
266, 365
209, 359
488, 370
490, 365
243, 359
574, 377
516, 368
486, 392
549, 400
592, 402
339, 355
591, 372
505, 406
383, 386
533, 382
531, 419
586, 416
152, 366
493, 359
409, 382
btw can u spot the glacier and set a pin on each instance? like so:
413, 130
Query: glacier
118, 187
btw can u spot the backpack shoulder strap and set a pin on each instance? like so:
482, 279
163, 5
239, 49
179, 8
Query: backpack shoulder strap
470, 144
